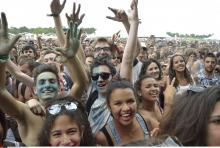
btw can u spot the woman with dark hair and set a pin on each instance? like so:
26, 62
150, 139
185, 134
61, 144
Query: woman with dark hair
148, 90
178, 70
194, 118
126, 125
151, 67
66, 124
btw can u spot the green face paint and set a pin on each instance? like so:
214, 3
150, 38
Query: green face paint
47, 86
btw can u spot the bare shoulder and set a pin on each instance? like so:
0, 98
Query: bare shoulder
101, 139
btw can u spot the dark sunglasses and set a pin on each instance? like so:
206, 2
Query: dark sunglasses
56, 108
103, 75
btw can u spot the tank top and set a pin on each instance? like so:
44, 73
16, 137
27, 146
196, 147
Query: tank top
115, 134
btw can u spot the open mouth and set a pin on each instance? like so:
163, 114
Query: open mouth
126, 116
101, 84
154, 94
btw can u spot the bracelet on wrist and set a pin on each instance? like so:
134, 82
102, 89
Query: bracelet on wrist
4, 58
53, 14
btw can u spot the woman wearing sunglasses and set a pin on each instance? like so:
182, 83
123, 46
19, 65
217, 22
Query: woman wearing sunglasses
127, 125
66, 124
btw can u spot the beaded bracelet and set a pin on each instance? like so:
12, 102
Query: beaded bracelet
4, 58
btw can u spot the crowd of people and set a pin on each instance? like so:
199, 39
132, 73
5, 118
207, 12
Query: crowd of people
80, 91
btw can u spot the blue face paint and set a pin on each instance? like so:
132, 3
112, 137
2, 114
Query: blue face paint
101, 85
47, 86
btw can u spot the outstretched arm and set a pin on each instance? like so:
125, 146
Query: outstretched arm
8, 104
121, 16
77, 19
74, 65
19, 75
56, 9
131, 45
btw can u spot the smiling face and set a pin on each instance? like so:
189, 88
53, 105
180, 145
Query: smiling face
102, 84
213, 133
149, 89
153, 70
123, 105
64, 132
179, 64
47, 86
102, 49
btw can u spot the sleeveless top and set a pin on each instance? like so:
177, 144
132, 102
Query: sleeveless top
115, 135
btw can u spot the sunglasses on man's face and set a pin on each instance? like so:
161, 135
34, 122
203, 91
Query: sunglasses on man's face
103, 75
56, 108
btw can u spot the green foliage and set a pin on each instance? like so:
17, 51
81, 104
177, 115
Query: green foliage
89, 30
40, 30
193, 36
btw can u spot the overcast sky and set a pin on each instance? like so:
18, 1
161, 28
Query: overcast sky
157, 16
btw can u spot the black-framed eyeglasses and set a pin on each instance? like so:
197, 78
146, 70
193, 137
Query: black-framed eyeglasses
103, 75
56, 108
102, 48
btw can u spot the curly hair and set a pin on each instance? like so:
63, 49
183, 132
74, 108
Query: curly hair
79, 116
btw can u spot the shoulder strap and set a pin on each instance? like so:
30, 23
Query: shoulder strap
143, 125
114, 132
92, 97
108, 137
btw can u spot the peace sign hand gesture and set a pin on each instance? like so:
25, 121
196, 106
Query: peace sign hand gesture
170, 91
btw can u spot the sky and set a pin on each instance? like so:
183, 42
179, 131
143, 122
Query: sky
157, 16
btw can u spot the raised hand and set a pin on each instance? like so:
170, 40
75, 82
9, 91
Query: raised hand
74, 17
56, 7
133, 12
120, 15
72, 42
6, 44
116, 37
170, 91
35, 107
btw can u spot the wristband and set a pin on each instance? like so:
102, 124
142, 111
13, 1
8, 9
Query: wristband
53, 14
4, 58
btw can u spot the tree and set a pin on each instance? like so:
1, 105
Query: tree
192, 36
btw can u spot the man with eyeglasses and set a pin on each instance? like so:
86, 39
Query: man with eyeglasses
102, 48
46, 85
102, 72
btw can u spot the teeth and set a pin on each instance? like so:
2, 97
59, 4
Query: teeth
125, 115
101, 85
47, 91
